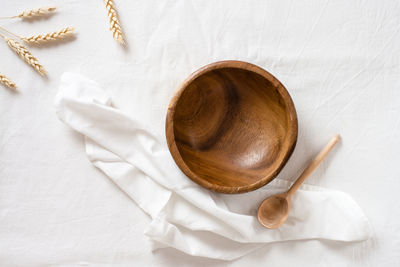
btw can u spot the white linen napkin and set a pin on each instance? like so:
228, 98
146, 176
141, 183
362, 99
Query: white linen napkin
185, 216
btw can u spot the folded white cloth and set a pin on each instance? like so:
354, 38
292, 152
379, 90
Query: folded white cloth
184, 215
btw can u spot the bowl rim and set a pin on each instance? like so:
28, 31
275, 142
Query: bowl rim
170, 136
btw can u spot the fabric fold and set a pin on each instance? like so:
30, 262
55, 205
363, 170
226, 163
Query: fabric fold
184, 215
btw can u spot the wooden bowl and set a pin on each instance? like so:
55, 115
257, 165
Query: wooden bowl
231, 127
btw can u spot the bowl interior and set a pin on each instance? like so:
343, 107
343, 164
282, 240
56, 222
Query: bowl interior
233, 129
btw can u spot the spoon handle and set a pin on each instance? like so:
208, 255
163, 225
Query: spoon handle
313, 165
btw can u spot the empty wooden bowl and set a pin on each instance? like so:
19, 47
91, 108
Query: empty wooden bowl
231, 127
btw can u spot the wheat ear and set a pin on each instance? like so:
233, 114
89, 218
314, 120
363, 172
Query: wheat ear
24, 53
41, 38
35, 12
115, 26
7, 82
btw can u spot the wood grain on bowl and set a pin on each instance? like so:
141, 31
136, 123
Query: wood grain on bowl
231, 127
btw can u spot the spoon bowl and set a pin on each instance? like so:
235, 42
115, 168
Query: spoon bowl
274, 211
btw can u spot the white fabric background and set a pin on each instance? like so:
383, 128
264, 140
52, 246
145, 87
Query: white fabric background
338, 59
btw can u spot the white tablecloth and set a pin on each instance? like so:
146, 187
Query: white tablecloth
338, 59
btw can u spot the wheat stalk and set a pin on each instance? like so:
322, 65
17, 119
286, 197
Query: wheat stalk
35, 12
7, 82
24, 53
68, 31
115, 26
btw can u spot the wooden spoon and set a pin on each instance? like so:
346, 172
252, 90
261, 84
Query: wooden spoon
274, 210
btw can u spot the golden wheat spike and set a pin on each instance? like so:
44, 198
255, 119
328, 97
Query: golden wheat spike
115, 26
7, 82
35, 12
41, 38
24, 53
